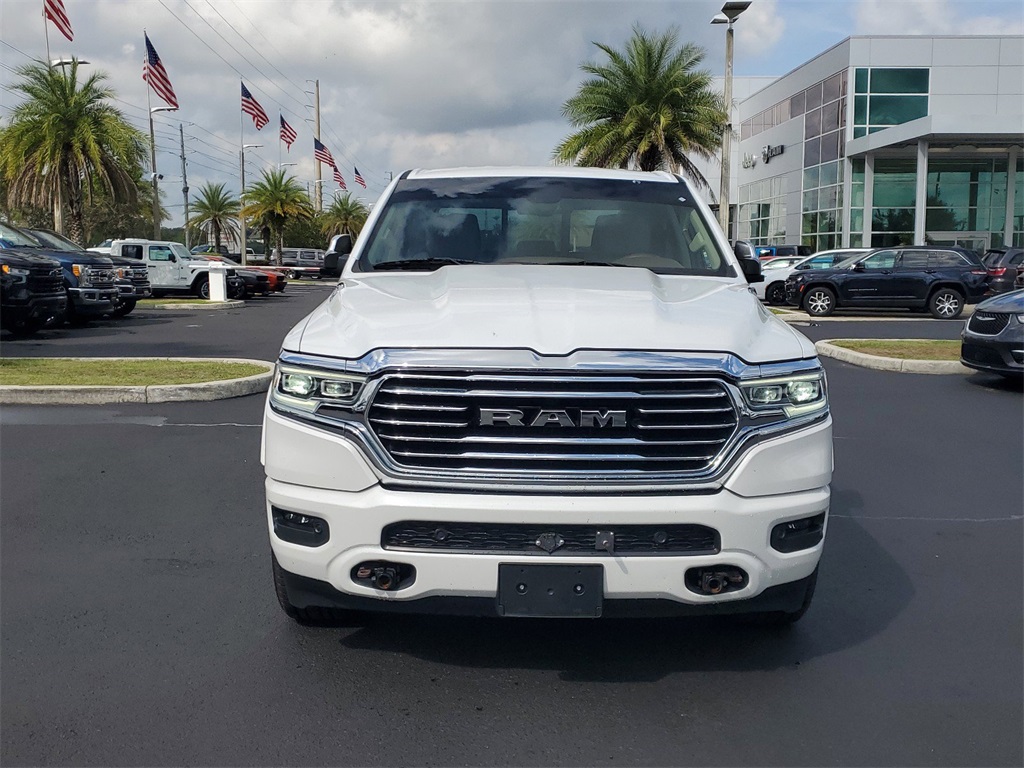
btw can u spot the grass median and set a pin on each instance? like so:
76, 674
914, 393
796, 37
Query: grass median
904, 349
34, 372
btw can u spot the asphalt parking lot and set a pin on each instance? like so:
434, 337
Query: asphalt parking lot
139, 625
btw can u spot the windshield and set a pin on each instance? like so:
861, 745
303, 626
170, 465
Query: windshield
15, 238
656, 225
53, 240
180, 251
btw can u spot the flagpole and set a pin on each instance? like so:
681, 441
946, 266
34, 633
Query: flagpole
241, 196
46, 34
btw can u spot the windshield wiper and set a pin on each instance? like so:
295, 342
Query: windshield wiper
425, 264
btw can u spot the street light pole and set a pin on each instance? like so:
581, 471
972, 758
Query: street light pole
730, 12
184, 180
152, 165
241, 204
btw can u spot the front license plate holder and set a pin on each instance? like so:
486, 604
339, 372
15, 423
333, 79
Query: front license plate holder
550, 591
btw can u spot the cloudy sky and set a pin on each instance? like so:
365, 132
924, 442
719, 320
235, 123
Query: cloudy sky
421, 83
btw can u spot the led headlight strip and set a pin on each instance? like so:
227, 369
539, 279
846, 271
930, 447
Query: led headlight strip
796, 395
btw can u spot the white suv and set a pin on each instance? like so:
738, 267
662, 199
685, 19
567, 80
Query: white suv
545, 392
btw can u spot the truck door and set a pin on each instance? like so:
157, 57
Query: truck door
164, 268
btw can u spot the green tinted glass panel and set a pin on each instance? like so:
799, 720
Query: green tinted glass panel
810, 177
810, 222
859, 131
857, 195
889, 193
857, 220
858, 169
856, 241
899, 81
892, 220
946, 219
861, 81
829, 173
876, 128
860, 110
811, 200
895, 110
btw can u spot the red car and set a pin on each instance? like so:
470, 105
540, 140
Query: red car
278, 277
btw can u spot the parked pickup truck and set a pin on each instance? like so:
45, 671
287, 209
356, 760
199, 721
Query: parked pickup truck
88, 278
31, 291
302, 262
546, 392
172, 268
132, 277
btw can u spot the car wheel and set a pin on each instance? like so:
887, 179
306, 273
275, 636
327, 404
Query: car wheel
28, 326
311, 615
124, 309
202, 289
820, 302
946, 304
775, 294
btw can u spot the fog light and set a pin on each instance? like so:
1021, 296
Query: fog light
297, 384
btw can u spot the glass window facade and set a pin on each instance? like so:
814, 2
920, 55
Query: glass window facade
967, 196
824, 148
887, 96
894, 192
762, 211
1018, 207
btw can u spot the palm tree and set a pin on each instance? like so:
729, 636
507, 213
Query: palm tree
347, 215
64, 137
214, 212
648, 108
274, 201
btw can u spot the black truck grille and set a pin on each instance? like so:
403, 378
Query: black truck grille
540, 423
540, 539
987, 323
46, 280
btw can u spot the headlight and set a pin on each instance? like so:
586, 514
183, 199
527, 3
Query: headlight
82, 273
1020, 319
19, 274
796, 395
297, 388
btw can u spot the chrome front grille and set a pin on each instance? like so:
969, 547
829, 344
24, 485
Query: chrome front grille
578, 424
987, 323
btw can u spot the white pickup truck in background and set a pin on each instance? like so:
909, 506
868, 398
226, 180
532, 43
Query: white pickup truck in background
546, 392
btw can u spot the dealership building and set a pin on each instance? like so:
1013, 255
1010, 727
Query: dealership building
885, 140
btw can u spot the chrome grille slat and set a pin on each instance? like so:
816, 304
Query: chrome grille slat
591, 424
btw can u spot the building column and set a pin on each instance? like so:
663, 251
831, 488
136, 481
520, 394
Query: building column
921, 198
869, 198
1011, 188
844, 241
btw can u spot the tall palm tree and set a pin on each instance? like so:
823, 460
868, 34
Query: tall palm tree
63, 137
214, 212
275, 200
346, 215
648, 107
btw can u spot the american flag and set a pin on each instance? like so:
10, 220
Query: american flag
153, 72
288, 134
252, 107
359, 179
338, 178
322, 153
54, 11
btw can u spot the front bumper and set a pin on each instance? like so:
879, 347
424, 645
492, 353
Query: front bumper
93, 301
1002, 353
776, 481
27, 306
133, 291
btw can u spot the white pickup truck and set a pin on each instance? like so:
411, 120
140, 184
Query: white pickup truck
546, 392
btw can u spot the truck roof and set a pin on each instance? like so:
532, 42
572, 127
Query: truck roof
553, 171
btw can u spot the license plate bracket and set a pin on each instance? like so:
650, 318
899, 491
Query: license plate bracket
550, 591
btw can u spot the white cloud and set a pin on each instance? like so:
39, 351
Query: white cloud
934, 17
761, 26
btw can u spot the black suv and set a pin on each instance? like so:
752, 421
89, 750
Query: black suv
940, 279
1003, 265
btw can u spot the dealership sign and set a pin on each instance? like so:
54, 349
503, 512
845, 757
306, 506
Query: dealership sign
749, 161
768, 151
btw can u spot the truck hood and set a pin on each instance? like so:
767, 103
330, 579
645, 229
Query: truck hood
75, 257
552, 310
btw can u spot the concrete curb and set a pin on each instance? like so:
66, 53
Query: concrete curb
229, 304
156, 393
803, 317
879, 363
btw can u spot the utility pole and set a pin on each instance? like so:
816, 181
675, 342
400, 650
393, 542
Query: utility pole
184, 180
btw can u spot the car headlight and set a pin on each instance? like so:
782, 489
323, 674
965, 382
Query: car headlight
303, 390
18, 273
796, 395
82, 273
1020, 319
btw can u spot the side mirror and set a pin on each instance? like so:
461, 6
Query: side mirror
334, 261
171, 257
859, 267
751, 270
804, 266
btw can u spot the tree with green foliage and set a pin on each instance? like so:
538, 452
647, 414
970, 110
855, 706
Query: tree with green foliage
346, 215
649, 107
64, 138
275, 200
214, 212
